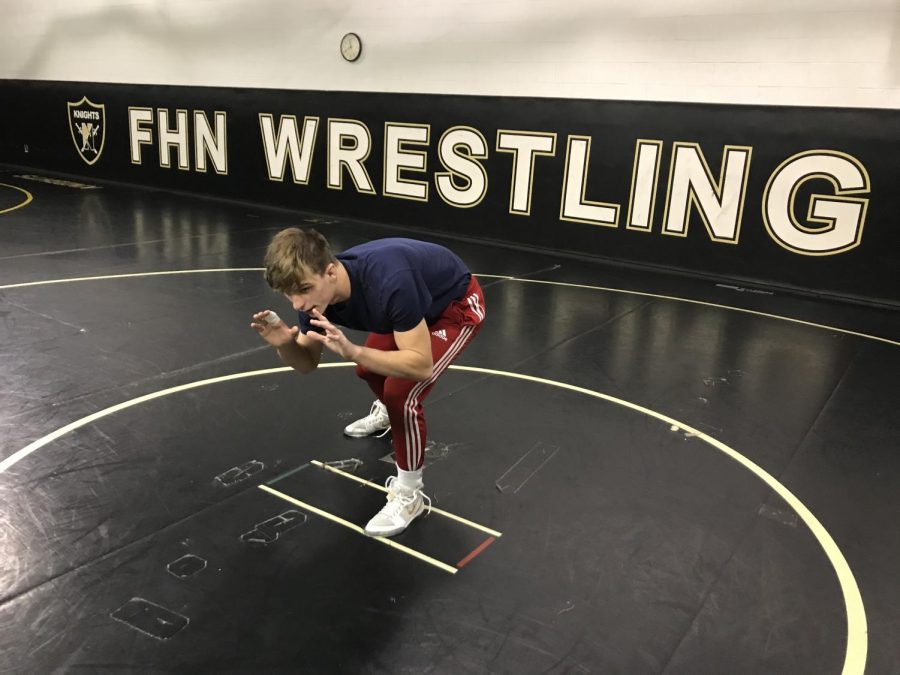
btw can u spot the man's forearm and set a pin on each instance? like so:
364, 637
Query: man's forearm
297, 357
403, 363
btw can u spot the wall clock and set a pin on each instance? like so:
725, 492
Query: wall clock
351, 46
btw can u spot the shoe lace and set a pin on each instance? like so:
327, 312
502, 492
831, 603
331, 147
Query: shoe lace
399, 498
375, 412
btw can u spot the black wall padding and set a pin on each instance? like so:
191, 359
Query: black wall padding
36, 113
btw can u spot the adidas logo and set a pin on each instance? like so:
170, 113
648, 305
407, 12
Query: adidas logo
442, 334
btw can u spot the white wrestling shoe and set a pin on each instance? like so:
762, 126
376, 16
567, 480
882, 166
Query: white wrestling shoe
403, 506
377, 420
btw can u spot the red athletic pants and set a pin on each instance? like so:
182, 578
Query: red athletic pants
450, 335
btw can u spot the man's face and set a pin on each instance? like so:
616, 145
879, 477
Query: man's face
316, 291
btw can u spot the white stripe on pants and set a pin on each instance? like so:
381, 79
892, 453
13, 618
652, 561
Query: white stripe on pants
414, 450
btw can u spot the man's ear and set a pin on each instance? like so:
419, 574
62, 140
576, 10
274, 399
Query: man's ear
331, 270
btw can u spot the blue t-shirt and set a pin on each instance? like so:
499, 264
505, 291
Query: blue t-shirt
394, 284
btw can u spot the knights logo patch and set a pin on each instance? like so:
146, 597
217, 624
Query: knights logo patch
87, 122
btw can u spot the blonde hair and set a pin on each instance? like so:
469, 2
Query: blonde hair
294, 254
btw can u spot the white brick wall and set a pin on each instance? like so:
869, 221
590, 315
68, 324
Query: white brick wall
797, 52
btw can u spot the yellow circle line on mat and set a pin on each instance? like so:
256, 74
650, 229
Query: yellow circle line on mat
28, 198
857, 627
675, 298
129, 276
754, 312
857, 631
